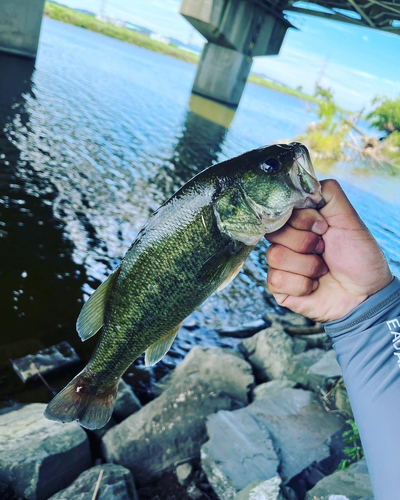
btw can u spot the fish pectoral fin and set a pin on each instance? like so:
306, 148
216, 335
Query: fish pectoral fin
160, 348
91, 317
231, 276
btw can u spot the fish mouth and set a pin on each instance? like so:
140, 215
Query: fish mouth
304, 179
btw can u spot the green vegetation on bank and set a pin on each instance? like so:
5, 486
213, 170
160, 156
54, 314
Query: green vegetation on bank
70, 16
279, 87
386, 114
353, 450
335, 137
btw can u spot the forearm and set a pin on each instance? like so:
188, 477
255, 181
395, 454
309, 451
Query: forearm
367, 345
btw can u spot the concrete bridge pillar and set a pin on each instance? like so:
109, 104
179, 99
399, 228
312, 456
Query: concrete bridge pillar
237, 31
20, 22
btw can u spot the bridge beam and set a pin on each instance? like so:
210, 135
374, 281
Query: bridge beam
237, 31
20, 22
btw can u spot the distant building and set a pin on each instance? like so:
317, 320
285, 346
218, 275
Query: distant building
160, 38
110, 20
139, 29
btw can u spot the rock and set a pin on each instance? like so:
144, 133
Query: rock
287, 320
262, 490
239, 452
288, 431
116, 484
39, 456
243, 331
183, 473
323, 373
272, 388
305, 330
225, 369
171, 428
353, 483
298, 370
126, 403
194, 492
316, 341
46, 361
270, 352
341, 399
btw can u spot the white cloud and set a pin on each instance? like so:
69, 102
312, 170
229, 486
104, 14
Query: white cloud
353, 89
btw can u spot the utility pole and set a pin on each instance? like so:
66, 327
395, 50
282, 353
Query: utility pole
103, 8
322, 72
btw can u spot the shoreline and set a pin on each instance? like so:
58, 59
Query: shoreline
69, 16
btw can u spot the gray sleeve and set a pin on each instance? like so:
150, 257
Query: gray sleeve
367, 346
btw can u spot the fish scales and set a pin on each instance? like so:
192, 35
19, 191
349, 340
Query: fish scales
192, 245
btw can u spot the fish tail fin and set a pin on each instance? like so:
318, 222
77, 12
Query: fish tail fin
81, 400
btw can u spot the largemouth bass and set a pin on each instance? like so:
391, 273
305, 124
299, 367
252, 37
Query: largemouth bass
193, 245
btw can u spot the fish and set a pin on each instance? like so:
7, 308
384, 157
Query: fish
195, 244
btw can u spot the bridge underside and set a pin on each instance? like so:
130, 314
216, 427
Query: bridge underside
238, 30
377, 14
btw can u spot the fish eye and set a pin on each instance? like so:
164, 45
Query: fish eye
271, 166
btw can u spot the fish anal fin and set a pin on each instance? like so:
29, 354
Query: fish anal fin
231, 276
160, 348
91, 317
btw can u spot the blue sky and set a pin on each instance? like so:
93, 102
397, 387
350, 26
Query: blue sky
359, 62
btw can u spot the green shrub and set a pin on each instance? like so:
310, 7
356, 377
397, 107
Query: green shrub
354, 449
386, 115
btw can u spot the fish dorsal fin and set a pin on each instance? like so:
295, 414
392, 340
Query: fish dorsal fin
91, 317
231, 276
160, 348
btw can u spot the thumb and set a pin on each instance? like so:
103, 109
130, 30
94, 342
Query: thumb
338, 211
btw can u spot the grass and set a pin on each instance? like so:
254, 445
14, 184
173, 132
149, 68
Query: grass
70, 16
258, 80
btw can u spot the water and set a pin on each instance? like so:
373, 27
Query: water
92, 141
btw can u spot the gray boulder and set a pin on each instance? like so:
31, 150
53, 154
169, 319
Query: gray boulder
341, 399
183, 473
270, 352
225, 369
324, 372
262, 490
45, 361
272, 388
287, 320
315, 341
126, 403
244, 330
116, 484
353, 483
170, 428
239, 451
298, 370
290, 426
39, 456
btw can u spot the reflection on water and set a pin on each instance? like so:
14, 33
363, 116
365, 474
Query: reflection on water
92, 141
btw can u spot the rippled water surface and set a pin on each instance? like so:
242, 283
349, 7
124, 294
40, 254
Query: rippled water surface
92, 141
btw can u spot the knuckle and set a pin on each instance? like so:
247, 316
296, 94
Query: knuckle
277, 280
315, 267
275, 255
309, 242
331, 184
303, 285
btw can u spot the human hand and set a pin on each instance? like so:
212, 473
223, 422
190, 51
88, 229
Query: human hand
324, 264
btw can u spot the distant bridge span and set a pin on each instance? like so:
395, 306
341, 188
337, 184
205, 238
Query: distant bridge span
377, 14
